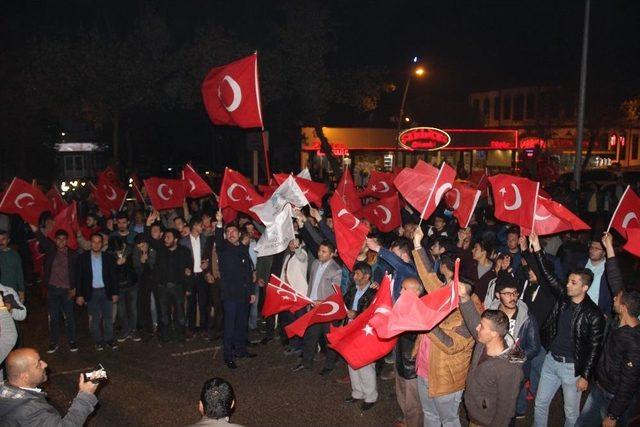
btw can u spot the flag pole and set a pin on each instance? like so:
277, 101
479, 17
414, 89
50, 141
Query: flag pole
617, 207
535, 208
266, 153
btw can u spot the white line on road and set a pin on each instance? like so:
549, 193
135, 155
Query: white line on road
202, 350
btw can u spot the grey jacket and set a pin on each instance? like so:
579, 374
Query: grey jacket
19, 407
210, 422
332, 274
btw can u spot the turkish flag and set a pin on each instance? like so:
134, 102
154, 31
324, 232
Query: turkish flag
279, 296
67, 220
462, 200
25, 200
108, 176
384, 213
415, 184
444, 182
330, 309
196, 186
109, 197
480, 179
633, 243
627, 214
231, 94
56, 200
136, 185
350, 232
165, 193
348, 192
514, 199
552, 217
358, 342
380, 185
237, 193
313, 191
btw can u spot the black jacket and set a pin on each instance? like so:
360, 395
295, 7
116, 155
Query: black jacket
50, 251
182, 260
236, 269
538, 296
85, 275
587, 324
364, 301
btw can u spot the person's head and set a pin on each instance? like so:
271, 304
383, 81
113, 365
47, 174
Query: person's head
233, 234
138, 216
329, 222
447, 267
361, 273
326, 251
513, 234
494, 325
122, 222
533, 277
402, 248
481, 250
294, 244
141, 242
25, 368
4, 239
185, 231
217, 399
171, 238
96, 242
196, 226
440, 246
627, 302
179, 222
207, 219
408, 229
596, 251
250, 228
503, 261
156, 230
579, 282
439, 222
507, 291
244, 238
60, 238
411, 284
91, 220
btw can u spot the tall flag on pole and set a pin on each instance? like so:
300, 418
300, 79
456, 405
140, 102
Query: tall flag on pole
24, 199
515, 199
196, 186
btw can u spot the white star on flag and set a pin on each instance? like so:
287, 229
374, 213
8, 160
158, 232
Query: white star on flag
368, 330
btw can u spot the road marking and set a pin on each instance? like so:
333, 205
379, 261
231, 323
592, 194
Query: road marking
202, 350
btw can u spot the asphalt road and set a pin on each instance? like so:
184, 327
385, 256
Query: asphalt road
153, 385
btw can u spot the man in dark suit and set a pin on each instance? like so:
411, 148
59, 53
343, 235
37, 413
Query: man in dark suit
198, 292
98, 288
325, 272
60, 279
238, 292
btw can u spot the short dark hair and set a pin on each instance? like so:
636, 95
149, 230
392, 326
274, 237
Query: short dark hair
122, 215
140, 238
4, 232
499, 320
329, 245
444, 242
195, 220
96, 234
61, 232
585, 274
447, 261
217, 397
630, 298
175, 232
362, 267
486, 245
513, 230
403, 244
505, 281
231, 224
180, 217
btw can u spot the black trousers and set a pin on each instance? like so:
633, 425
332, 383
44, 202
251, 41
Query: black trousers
145, 289
171, 298
199, 298
215, 298
312, 337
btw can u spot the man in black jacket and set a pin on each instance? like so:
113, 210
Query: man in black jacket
618, 372
238, 292
573, 335
357, 299
173, 268
98, 288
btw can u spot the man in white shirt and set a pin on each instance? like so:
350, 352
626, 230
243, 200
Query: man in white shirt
198, 293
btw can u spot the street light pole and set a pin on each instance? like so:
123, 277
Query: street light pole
419, 71
582, 94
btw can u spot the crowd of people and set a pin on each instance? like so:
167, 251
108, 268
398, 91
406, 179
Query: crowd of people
535, 313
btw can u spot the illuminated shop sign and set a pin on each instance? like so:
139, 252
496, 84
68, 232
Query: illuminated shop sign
424, 138
337, 148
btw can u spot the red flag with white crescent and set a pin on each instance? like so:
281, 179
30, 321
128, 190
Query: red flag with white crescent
24, 199
462, 200
231, 94
313, 191
415, 184
280, 296
67, 220
515, 199
165, 193
109, 197
57, 202
380, 185
627, 213
350, 232
384, 213
551, 218
196, 186
346, 189
330, 309
236, 192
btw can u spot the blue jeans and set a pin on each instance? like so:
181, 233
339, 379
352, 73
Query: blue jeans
234, 338
441, 410
595, 409
555, 374
253, 311
128, 309
534, 379
100, 309
58, 301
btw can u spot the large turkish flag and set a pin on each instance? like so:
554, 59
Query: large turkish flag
462, 200
514, 199
25, 200
231, 94
330, 309
236, 192
627, 214
165, 193
384, 213
350, 232
196, 186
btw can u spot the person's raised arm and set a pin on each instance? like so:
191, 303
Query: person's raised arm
548, 275
468, 310
612, 268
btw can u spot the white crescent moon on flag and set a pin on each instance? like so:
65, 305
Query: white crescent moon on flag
383, 310
281, 291
334, 308
456, 204
387, 213
193, 185
517, 202
627, 219
386, 187
112, 195
541, 217
23, 196
231, 188
443, 188
160, 192
343, 211
237, 93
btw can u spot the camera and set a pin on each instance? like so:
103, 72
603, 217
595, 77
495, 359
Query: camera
96, 376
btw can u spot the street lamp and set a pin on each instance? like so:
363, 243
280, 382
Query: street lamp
416, 71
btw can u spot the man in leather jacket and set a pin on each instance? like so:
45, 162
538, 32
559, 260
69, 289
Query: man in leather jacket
573, 336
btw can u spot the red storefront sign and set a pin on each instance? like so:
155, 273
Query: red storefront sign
424, 138
337, 148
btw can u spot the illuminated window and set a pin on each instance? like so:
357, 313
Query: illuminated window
506, 107
518, 107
